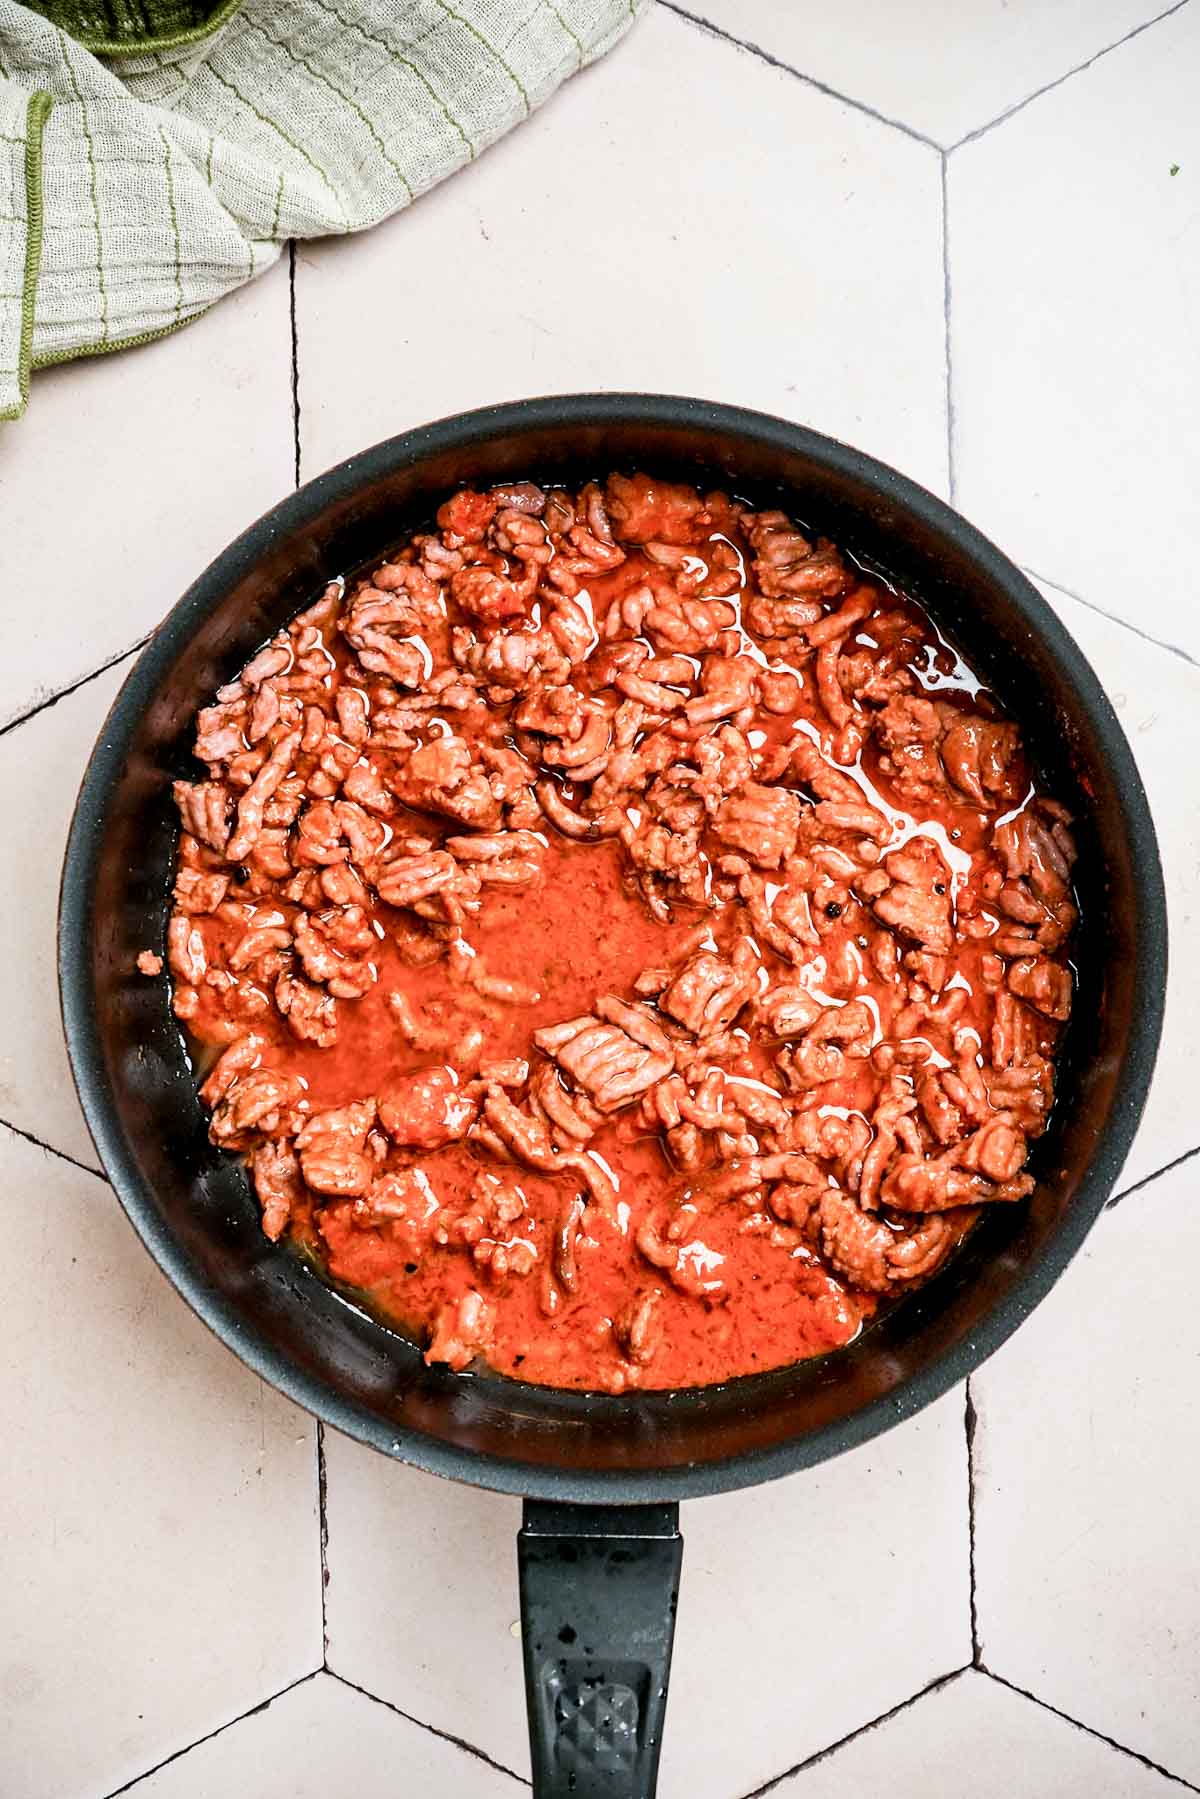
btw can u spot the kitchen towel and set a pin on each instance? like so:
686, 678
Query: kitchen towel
155, 154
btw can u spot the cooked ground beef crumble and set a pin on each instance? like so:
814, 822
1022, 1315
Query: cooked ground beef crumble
634, 942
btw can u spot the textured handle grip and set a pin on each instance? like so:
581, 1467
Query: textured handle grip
599, 1588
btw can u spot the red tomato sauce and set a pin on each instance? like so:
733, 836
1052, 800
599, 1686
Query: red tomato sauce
695, 1251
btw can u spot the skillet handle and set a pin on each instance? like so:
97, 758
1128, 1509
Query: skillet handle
599, 1588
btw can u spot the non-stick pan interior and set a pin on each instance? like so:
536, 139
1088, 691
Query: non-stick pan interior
194, 1207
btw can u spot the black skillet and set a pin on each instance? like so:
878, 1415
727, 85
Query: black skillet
602, 1476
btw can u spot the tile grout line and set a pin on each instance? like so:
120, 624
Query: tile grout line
1088, 1730
1147, 1179
323, 1537
1009, 112
775, 62
951, 474
176, 1754
934, 1686
49, 1149
444, 1735
63, 693
970, 1425
1160, 643
295, 362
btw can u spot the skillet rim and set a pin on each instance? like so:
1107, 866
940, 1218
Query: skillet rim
79, 1008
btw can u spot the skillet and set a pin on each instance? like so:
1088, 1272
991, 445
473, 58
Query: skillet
599, 1550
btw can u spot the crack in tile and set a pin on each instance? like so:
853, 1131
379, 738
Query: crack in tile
446, 1737
1160, 643
971, 1424
1121, 1748
951, 474
1148, 1178
775, 62
1048, 87
295, 361
49, 1149
176, 1754
62, 693
934, 1686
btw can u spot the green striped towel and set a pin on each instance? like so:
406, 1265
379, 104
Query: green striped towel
155, 154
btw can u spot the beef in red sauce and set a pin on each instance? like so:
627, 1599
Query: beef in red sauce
632, 944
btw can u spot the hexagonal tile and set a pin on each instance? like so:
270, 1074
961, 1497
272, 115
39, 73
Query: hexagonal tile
1075, 267
626, 237
1157, 698
322, 1738
941, 72
1087, 1484
41, 765
126, 476
1008, 1744
818, 1601
159, 1561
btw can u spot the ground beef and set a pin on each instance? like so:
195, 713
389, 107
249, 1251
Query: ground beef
623, 942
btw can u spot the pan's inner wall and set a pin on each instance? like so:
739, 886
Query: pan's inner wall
194, 1206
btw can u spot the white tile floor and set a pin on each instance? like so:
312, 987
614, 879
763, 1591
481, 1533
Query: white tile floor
759, 233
